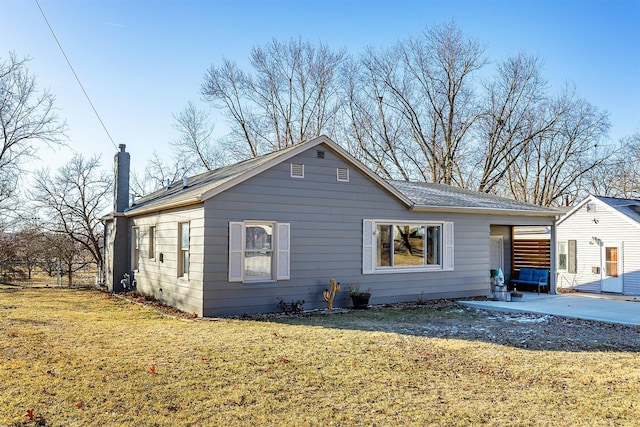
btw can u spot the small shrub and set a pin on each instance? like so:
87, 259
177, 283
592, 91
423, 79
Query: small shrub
293, 307
421, 299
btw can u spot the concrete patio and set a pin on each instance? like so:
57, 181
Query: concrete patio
603, 308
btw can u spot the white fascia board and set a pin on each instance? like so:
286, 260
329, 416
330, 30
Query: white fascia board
577, 208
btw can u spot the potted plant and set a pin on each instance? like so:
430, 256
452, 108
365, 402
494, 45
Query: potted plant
360, 298
516, 296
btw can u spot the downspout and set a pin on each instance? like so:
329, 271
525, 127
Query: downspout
552, 262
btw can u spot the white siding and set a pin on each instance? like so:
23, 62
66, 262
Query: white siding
611, 229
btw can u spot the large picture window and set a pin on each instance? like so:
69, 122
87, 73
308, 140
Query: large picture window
258, 251
390, 246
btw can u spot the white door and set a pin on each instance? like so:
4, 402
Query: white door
611, 268
496, 253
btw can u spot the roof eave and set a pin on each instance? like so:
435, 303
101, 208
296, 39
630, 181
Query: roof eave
163, 206
488, 211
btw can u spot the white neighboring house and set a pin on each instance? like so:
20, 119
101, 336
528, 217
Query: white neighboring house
599, 246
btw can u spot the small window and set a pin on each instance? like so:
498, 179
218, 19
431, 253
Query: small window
135, 249
572, 266
258, 251
152, 242
562, 256
343, 174
297, 170
611, 265
183, 249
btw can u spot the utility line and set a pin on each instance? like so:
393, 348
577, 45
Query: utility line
76, 76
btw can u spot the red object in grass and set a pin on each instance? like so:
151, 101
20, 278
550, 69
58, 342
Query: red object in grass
30, 414
152, 369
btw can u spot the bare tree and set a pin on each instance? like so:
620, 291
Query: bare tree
556, 162
195, 141
619, 176
628, 175
8, 256
291, 97
442, 64
374, 131
74, 200
27, 118
512, 117
421, 93
66, 255
30, 244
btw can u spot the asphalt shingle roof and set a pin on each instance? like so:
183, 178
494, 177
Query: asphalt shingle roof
206, 181
420, 194
440, 195
628, 207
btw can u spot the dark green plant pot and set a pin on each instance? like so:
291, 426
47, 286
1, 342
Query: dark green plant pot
360, 302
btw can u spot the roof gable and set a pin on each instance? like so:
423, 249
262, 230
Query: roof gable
627, 209
207, 185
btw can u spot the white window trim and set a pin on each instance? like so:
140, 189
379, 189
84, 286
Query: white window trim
135, 249
281, 251
152, 242
345, 173
566, 248
297, 170
180, 265
369, 248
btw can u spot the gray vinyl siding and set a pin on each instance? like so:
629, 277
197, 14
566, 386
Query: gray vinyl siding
506, 233
613, 229
326, 217
160, 278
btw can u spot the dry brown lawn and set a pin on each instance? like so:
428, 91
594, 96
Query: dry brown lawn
80, 357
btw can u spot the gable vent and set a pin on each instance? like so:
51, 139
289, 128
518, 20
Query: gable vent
343, 174
591, 207
297, 170
320, 154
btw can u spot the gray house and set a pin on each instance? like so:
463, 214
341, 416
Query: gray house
599, 246
280, 226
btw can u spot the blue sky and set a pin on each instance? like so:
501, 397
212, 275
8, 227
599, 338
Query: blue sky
141, 61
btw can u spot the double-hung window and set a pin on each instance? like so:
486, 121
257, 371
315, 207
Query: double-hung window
183, 249
152, 242
135, 249
567, 256
562, 256
394, 246
258, 251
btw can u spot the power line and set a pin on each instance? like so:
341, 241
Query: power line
76, 76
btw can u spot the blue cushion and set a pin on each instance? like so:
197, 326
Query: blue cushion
526, 275
540, 274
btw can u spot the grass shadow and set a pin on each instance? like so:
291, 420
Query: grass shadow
450, 320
